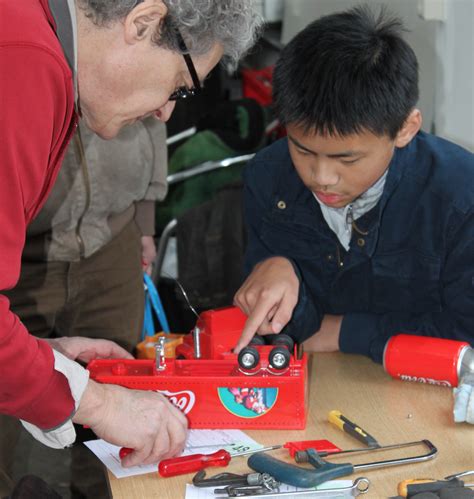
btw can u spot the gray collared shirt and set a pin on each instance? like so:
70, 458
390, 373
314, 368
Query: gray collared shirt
340, 219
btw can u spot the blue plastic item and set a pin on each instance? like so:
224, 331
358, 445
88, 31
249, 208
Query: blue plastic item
152, 303
299, 476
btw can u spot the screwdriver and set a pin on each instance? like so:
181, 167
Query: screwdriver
196, 462
336, 418
125, 451
324, 447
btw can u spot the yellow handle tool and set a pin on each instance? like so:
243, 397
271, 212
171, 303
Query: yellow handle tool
344, 424
415, 486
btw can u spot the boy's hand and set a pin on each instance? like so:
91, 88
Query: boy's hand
327, 338
267, 297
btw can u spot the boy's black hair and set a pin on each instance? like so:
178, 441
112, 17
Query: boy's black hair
346, 73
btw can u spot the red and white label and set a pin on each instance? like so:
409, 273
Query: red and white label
182, 400
428, 381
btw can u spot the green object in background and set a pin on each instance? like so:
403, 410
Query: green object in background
203, 146
230, 129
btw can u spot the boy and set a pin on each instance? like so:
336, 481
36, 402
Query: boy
360, 226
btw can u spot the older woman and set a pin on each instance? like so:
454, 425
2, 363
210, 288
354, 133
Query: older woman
112, 62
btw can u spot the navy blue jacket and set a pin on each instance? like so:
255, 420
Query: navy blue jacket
410, 266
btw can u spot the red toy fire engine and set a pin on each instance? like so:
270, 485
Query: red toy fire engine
264, 387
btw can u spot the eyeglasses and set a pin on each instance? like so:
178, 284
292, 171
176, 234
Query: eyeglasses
184, 92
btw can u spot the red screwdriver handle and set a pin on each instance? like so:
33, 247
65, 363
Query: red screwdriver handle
194, 462
124, 451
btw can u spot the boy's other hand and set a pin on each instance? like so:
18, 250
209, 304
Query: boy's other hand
268, 297
327, 338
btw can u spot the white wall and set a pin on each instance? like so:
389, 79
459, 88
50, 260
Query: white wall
454, 115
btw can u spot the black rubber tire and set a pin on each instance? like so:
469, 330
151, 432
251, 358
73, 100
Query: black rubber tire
245, 355
282, 340
257, 340
275, 354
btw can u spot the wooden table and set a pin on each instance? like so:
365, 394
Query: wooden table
392, 411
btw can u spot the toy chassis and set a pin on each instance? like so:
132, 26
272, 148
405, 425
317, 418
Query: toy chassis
265, 387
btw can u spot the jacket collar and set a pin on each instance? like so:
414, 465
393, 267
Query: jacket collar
294, 193
369, 224
64, 15
395, 173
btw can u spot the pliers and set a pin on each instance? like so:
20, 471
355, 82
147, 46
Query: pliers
222, 479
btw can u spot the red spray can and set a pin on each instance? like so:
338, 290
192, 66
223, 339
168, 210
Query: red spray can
434, 361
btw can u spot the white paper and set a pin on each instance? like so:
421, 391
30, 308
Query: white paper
193, 492
198, 442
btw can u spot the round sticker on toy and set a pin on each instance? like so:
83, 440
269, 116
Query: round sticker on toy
248, 402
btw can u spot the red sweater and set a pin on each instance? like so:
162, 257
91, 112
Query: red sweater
37, 120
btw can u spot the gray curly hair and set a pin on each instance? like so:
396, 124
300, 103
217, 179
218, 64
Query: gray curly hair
232, 23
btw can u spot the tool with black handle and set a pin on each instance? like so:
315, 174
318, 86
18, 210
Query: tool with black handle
324, 470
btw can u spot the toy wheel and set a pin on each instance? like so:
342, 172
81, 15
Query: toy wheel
248, 358
257, 340
269, 338
279, 357
281, 339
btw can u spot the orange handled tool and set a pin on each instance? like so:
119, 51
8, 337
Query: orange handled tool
196, 462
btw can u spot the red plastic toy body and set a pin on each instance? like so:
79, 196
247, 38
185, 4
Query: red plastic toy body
213, 390
219, 331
